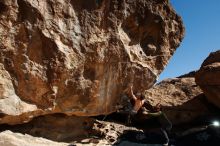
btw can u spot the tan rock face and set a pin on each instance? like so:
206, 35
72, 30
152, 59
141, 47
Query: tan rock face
8, 138
77, 56
208, 78
180, 98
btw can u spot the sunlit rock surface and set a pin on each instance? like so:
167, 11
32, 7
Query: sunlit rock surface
181, 99
8, 138
78, 56
208, 78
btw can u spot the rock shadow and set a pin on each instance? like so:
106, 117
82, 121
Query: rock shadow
56, 127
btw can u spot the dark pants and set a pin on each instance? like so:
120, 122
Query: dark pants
131, 117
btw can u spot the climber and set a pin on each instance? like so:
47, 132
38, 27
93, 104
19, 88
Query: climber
137, 101
141, 105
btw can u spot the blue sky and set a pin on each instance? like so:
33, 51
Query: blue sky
201, 19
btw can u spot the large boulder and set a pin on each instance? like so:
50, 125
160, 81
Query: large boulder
208, 78
78, 56
180, 99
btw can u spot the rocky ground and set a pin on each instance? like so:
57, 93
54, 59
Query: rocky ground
111, 133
